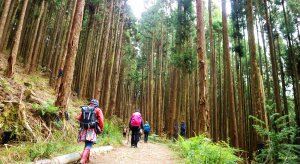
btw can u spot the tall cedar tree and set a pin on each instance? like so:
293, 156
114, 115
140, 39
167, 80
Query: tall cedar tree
65, 86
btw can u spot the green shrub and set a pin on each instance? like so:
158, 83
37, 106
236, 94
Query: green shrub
42, 150
280, 147
200, 149
46, 108
112, 133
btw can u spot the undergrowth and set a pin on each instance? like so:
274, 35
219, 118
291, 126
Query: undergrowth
60, 143
280, 147
200, 149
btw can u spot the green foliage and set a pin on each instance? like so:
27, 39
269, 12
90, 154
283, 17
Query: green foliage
46, 108
112, 132
186, 61
280, 147
185, 18
200, 149
40, 151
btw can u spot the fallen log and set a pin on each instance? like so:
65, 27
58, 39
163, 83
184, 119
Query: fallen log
73, 157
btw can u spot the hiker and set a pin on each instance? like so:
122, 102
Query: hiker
135, 123
91, 124
124, 132
175, 135
60, 73
147, 129
183, 129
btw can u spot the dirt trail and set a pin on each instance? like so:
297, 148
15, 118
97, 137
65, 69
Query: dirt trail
145, 153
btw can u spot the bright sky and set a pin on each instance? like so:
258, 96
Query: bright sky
139, 6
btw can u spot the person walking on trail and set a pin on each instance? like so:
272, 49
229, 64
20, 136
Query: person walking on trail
91, 124
135, 123
182, 129
147, 129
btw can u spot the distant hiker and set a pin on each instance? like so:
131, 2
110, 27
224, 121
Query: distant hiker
60, 73
147, 129
135, 123
78, 90
91, 123
176, 130
124, 132
182, 129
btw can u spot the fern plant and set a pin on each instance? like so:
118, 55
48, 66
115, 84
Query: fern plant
280, 147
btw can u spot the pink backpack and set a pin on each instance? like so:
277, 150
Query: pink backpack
136, 119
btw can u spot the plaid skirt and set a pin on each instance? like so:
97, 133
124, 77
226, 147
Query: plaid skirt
87, 135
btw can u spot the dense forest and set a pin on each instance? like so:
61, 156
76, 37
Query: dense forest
227, 68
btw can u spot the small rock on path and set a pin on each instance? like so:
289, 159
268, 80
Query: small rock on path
146, 153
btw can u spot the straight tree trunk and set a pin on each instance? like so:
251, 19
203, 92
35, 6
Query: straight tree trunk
34, 61
117, 67
273, 59
256, 91
13, 55
202, 68
229, 87
103, 55
33, 42
65, 87
213, 91
66, 44
3, 18
294, 70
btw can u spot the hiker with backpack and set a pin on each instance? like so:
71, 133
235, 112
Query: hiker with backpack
182, 129
135, 123
147, 129
91, 124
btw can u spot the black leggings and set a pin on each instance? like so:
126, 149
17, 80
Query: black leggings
146, 136
135, 136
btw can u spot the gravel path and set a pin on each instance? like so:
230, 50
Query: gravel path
145, 153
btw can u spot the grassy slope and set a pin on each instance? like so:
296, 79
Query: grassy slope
57, 142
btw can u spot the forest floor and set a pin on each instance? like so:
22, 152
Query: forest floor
150, 152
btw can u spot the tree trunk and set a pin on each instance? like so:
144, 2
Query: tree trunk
229, 87
202, 68
103, 55
33, 42
3, 18
213, 77
66, 45
273, 59
13, 55
256, 91
65, 87
117, 69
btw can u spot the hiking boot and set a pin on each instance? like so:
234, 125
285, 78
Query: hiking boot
85, 156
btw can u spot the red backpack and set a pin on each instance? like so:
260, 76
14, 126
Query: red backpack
136, 119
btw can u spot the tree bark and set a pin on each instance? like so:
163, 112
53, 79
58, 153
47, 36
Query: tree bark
229, 87
256, 91
273, 59
33, 42
103, 54
13, 55
3, 18
65, 87
202, 68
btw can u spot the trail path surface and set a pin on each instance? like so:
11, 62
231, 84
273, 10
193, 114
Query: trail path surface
145, 153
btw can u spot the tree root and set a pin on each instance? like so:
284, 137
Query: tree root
24, 117
48, 129
31, 97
